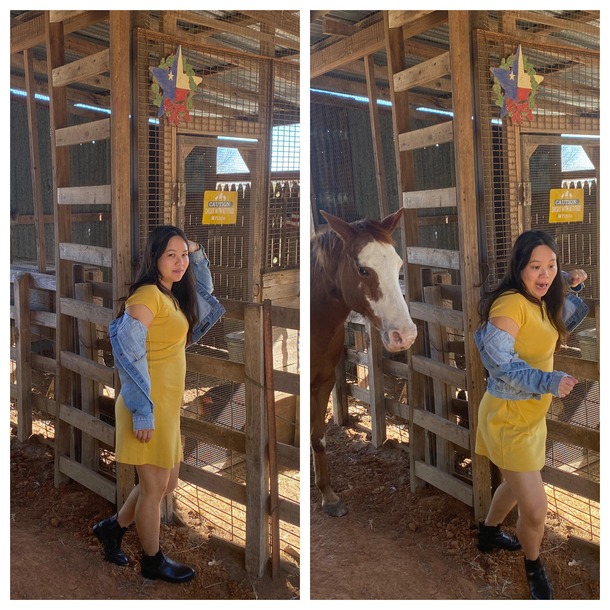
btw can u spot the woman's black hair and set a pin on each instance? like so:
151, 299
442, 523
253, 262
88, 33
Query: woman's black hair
183, 292
521, 255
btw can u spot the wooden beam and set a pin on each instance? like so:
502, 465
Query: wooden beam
578, 436
85, 195
445, 482
57, 16
442, 427
215, 483
83, 134
88, 255
560, 24
87, 423
459, 41
84, 68
95, 314
371, 87
399, 18
334, 27
35, 159
91, 480
83, 366
433, 198
573, 483
437, 370
424, 23
257, 466
428, 136
422, 73
54, 36
280, 20
23, 357
433, 257
435, 314
211, 433
313, 15
361, 43
376, 386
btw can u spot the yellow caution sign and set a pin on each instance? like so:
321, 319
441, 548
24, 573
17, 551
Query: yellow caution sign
219, 208
566, 205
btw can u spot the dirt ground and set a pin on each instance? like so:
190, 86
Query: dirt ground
54, 554
394, 544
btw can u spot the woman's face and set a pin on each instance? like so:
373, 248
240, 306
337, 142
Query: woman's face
173, 262
540, 271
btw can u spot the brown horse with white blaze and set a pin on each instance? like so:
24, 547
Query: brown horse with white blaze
353, 267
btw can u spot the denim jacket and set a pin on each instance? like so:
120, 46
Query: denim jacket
510, 377
128, 339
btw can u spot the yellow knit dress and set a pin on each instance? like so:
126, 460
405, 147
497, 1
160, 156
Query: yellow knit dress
166, 356
512, 433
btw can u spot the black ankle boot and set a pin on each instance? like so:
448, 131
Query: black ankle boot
160, 566
492, 537
540, 587
110, 534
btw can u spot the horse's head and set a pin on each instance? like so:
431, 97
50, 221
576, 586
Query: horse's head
368, 277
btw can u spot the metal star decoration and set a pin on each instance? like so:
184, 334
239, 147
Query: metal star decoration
178, 82
520, 82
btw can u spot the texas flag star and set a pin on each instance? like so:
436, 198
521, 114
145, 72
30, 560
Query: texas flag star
174, 82
516, 89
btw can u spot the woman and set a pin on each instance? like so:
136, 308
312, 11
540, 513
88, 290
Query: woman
169, 306
525, 320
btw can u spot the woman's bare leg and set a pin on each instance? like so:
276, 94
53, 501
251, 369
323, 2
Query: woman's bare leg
502, 503
128, 511
528, 489
153, 484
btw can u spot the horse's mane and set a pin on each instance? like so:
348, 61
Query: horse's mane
325, 251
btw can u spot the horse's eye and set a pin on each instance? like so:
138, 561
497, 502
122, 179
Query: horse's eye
363, 271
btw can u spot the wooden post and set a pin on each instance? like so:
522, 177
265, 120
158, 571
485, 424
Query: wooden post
395, 51
376, 386
339, 394
121, 188
35, 159
88, 388
442, 394
371, 88
271, 431
461, 83
54, 36
24, 356
257, 466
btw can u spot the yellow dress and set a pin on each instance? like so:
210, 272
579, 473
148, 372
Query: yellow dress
512, 433
166, 356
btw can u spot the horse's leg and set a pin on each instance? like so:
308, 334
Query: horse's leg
319, 402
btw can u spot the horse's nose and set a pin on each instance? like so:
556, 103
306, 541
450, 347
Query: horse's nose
401, 339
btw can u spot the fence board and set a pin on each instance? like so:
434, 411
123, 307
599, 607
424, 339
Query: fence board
85, 195
88, 255
437, 370
95, 314
436, 314
442, 427
91, 480
433, 257
84, 133
213, 482
427, 136
88, 423
445, 482
574, 435
433, 198
84, 366
78, 70
571, 482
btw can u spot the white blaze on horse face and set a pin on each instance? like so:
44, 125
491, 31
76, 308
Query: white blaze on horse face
398, 331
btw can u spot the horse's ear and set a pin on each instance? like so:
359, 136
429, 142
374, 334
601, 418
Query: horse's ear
340, 227
390, 222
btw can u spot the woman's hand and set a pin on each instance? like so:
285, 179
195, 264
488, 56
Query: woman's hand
576, 276
145, 435
566, 385
193, 247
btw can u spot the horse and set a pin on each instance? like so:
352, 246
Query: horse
354, 266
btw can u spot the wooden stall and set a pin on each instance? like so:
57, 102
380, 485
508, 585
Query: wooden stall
115, 178
472, 183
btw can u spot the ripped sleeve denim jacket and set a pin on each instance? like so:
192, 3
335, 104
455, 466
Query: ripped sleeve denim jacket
128, 339
510, 377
